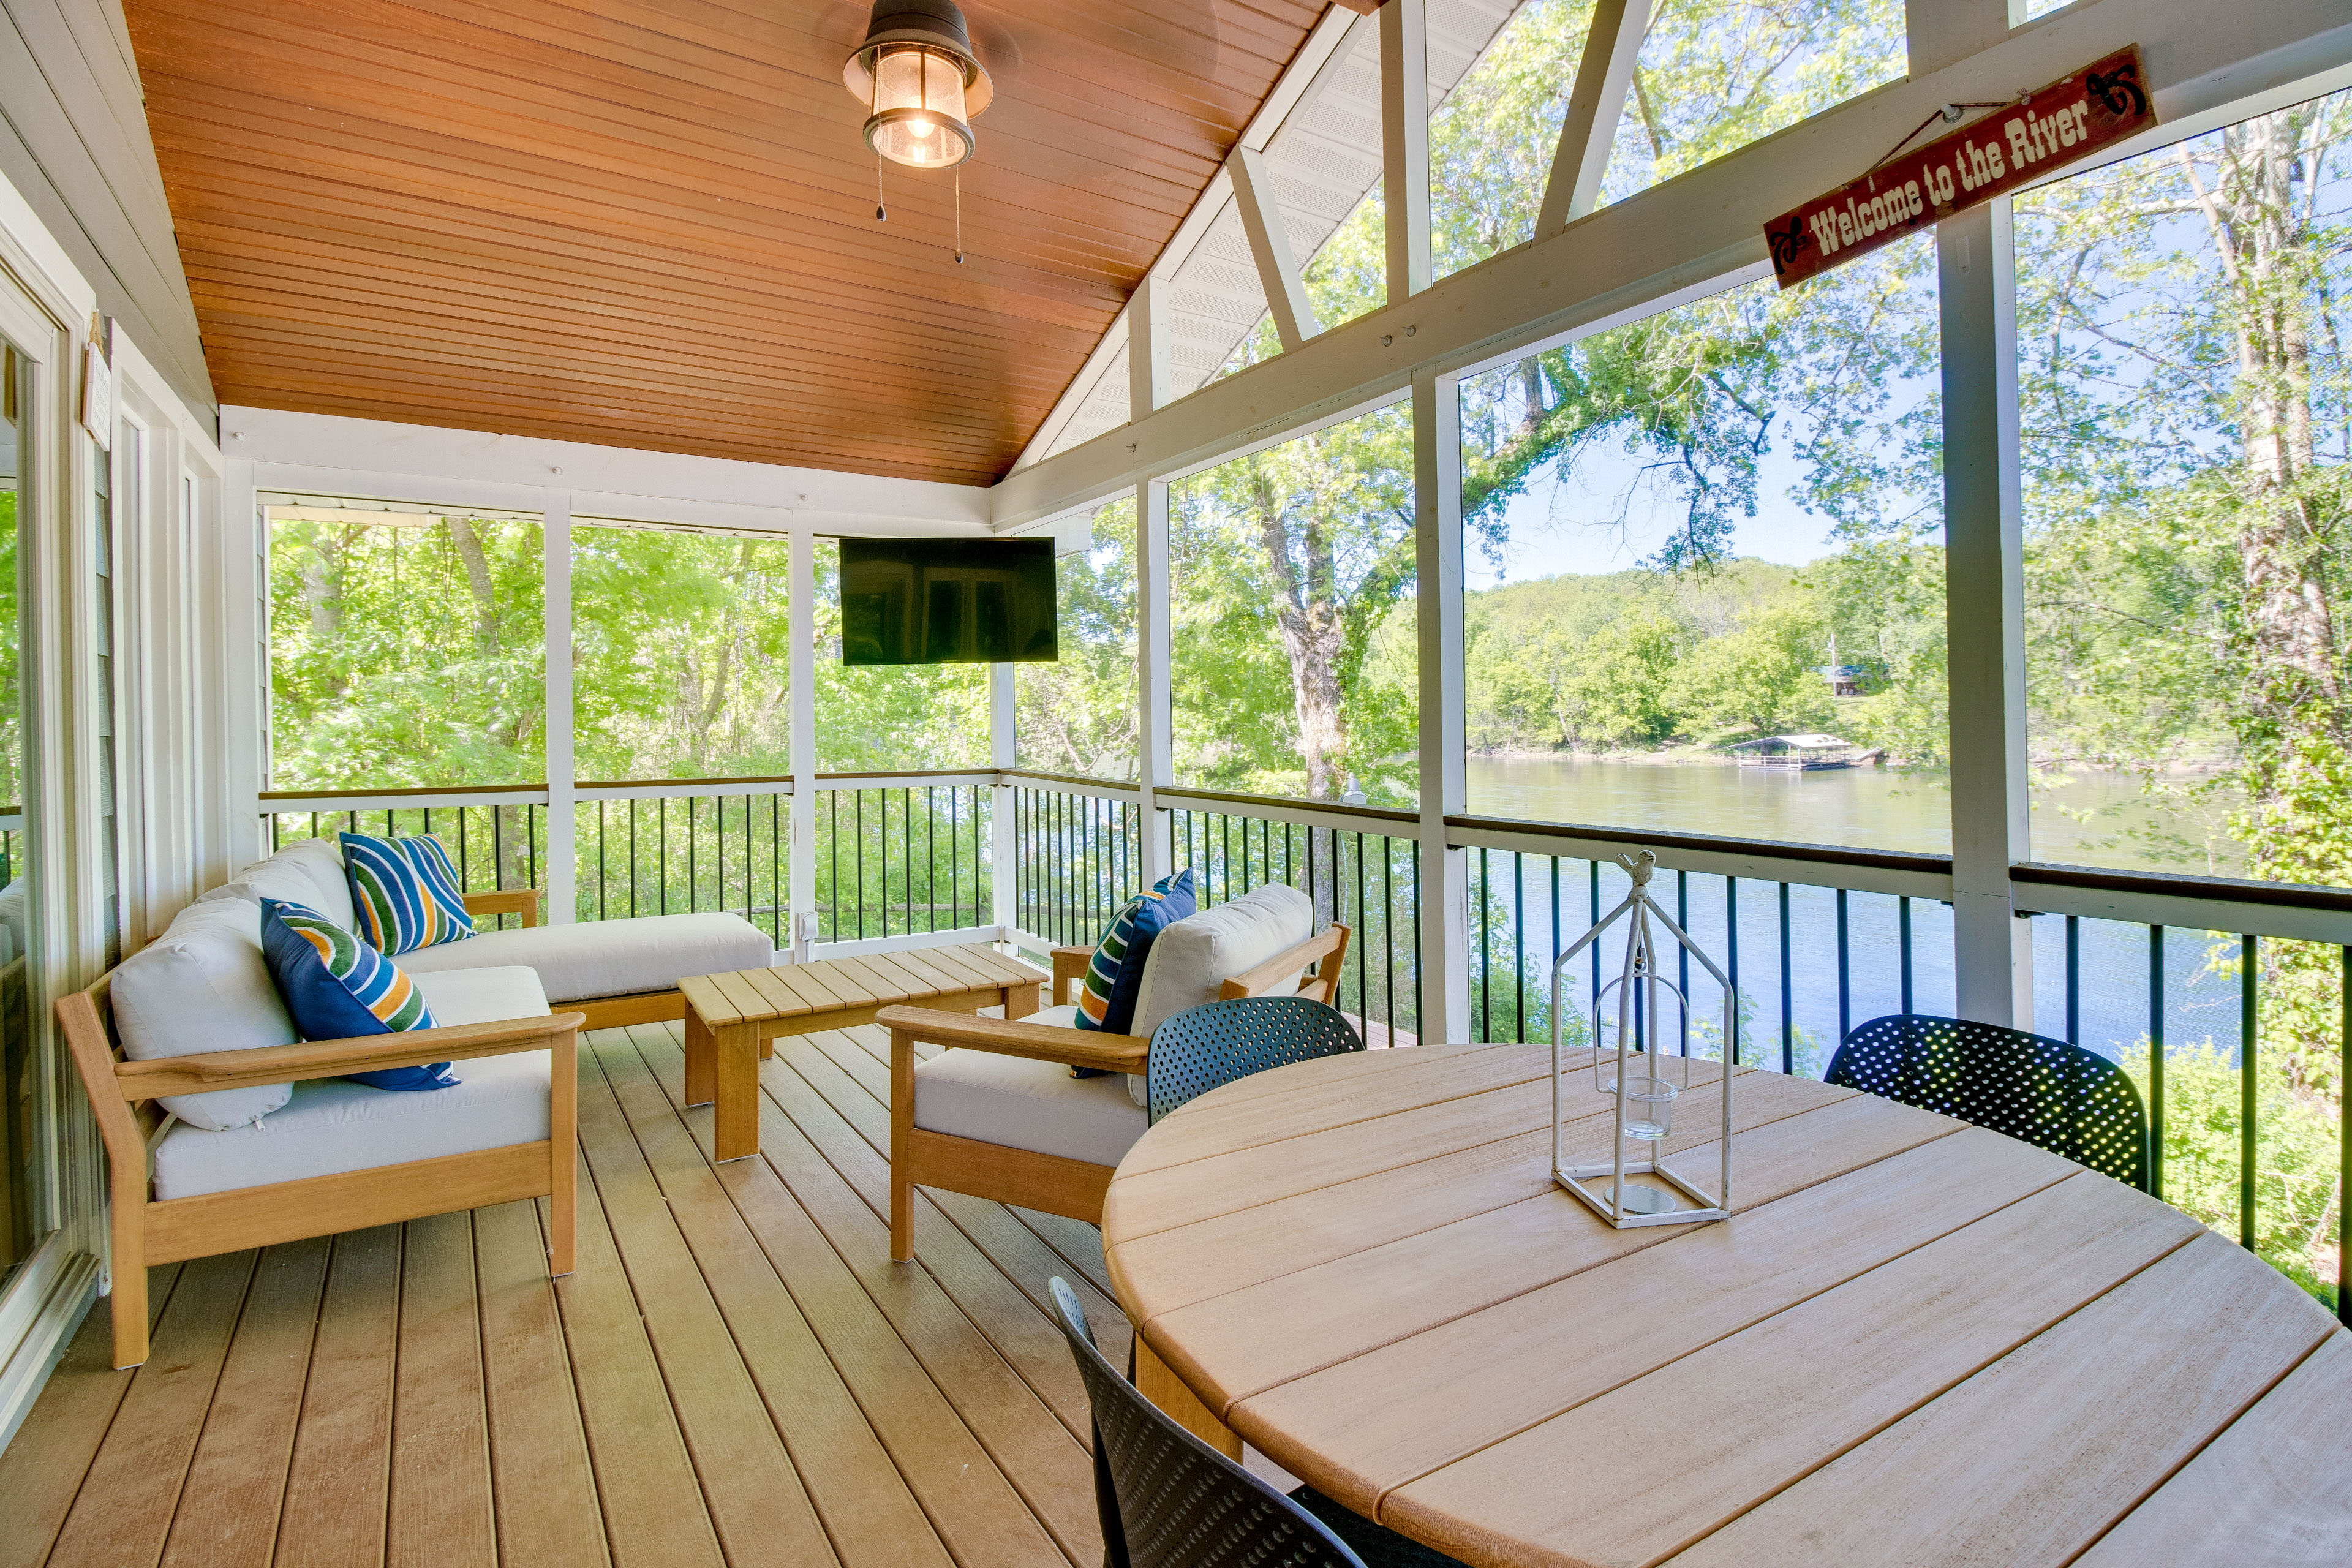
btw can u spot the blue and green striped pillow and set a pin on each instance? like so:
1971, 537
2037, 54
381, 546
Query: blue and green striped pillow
337, 987
1115, 975
404, 892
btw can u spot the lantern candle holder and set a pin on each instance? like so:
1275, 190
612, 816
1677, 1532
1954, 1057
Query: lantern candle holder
1646, 1084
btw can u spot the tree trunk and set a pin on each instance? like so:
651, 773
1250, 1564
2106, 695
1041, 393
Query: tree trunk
478, 576
1312, 634
2293, 713
323, 598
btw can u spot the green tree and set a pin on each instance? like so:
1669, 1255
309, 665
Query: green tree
1079, 715
681, 654
1763, 679
1308, 545
406, 651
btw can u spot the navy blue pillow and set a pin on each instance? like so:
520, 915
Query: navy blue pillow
1175, 903
337, 987
1115, 978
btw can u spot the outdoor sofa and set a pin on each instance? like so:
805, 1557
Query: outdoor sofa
187, 1052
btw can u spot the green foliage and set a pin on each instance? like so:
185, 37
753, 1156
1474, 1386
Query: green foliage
1636, 659
406, 653
2296, 1196
1762, 680
1285, 568
681, 654
1079, 714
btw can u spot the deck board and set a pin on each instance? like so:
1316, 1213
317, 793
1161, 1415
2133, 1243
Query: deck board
735, 1375
236, 1483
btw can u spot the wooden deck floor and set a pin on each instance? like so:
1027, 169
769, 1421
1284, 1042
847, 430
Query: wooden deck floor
737, 1374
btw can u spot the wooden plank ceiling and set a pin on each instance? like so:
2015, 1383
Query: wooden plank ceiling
650, 223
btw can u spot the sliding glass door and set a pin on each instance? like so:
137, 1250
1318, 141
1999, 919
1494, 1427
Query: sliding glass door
23, 1133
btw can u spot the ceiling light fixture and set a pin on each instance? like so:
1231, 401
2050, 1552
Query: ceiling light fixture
921, 84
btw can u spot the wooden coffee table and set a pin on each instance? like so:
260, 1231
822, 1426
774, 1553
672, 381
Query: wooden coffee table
731, 1019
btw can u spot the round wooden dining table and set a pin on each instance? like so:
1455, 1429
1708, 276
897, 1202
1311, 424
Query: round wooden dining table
1912, 1342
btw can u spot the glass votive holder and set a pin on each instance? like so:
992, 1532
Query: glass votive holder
1649, 1108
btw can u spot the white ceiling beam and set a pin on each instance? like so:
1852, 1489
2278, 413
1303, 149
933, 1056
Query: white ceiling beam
1146, 348
327, 455
1595, 106
1269, 242
1321, 46
1404, 143
2205, 61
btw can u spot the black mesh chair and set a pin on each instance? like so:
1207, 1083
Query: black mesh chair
1169, 1500
1201, 1048
2062, 1098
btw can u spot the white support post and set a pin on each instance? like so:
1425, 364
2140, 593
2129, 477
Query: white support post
1154, 648
1269, 241
800, 852
1146, 348
560, 873
1404, 143
1984, 562
1444, 953
1595, 105
1984, 615
1003, 751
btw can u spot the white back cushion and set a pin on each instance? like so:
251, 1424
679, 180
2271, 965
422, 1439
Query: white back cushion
203, 985
1192, 959
321, 859
309, 871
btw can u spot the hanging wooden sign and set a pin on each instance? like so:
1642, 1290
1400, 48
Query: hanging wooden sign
2016, 145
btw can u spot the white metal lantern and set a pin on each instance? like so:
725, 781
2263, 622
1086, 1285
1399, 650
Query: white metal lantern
920, 82
1642, 1078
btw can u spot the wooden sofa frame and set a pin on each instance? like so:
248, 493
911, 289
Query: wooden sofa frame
146, 1230
1051, 1182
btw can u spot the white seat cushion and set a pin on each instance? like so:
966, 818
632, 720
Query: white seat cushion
609, 958
1032, 1105
333, 1125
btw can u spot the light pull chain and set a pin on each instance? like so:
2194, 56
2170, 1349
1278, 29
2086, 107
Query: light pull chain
881, 214
959, 206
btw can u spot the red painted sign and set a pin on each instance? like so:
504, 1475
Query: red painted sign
2015, 146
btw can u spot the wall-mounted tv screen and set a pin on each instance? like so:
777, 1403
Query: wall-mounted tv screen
947, 601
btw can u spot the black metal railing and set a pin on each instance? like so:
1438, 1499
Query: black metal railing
1076, 859
1368, 880
494, 846
722, 844
899, 860
1525, 909
2234, 1138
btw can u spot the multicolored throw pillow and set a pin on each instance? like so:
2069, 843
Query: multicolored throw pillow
337, 987
1115, 976
404, 892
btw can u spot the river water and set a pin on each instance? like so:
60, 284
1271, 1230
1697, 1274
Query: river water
2085, 821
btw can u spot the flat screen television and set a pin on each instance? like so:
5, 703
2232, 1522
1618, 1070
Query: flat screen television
947, 601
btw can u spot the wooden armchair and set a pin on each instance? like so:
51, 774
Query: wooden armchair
147, 1231
1054, 1184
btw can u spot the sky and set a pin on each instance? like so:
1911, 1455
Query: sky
1574, 526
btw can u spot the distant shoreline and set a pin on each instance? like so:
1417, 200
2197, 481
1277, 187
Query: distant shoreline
1701, 756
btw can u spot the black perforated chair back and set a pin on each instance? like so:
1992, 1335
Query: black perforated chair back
2068, 1100
1170, 1501
1200, 1048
